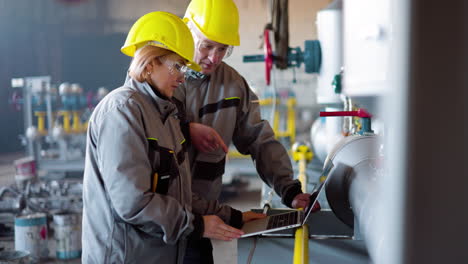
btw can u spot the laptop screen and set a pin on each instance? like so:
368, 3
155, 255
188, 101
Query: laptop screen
315, 195
313, 200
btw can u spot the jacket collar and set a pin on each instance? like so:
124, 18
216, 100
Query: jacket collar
194, 75
164, 105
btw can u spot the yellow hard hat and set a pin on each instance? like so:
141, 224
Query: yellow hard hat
218, 20
164, 30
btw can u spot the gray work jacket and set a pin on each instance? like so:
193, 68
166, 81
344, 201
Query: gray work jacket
136, 190
224, 101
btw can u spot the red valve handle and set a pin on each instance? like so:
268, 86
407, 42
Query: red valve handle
268, 56
359, 113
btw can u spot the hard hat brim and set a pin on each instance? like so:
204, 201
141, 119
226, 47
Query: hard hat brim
130, 51
194, 66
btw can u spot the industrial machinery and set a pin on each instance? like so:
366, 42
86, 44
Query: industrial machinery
352, 190
48, 180
344, 143
55, 123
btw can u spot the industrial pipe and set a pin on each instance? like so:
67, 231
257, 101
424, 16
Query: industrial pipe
303, 155
352, 188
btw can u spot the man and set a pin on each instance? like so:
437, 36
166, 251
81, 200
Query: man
220, 98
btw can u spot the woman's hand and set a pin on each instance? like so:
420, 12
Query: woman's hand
249, 216
215, 228
205, 138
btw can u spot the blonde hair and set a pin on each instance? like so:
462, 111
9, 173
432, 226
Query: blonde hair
142, 58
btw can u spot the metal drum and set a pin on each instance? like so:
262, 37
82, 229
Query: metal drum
67, 235
25, 169
31, 235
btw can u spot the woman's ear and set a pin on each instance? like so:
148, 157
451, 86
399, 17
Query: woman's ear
149, 67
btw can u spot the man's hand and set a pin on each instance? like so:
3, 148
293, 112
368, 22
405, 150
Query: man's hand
205, 138
249, 216
215, 228
303, 200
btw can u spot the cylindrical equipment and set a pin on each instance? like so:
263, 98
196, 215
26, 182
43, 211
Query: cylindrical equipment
67, 235
25, 169
31, 235
352, 189
325, 133
330, 35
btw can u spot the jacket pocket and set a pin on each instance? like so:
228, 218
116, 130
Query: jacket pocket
164, 170
208, 170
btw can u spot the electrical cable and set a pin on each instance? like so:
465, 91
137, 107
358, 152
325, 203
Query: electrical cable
252, 250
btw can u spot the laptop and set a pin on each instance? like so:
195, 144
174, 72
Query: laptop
283, 221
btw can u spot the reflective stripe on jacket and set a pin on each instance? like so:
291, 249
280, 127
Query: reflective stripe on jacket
136, 189
224, 101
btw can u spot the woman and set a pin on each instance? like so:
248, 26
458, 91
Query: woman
136, 194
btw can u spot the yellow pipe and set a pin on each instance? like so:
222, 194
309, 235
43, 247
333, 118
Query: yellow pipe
301, 245
290, 131
276, 118
66, 121
281, 134
267, 101
302, 155
291, 120
76, 121
302, 175
41, 122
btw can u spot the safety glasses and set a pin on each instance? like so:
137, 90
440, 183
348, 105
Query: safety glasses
206, 46
175, 66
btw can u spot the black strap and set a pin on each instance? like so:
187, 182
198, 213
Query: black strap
208, 170
212, 108
167, 166
180, 109
181, 154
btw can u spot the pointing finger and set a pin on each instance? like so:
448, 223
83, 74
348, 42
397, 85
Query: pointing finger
220, 143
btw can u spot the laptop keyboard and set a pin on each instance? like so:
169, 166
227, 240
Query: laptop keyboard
281, 220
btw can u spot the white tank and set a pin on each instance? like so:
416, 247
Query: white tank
330, 35
325, 133
367, 49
